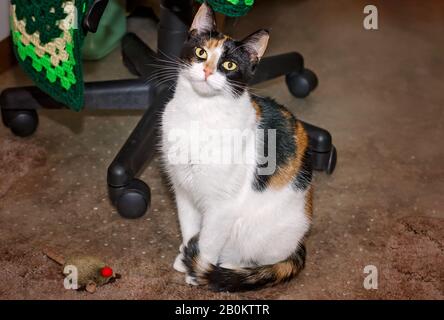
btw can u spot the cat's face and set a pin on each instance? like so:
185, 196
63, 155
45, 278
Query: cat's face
217, 64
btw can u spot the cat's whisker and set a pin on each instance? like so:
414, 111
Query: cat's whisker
165, 67
166, 76
172, 59
162, 64
161, 79
165, 80
151, 79
238, 85
169, 56
162, 72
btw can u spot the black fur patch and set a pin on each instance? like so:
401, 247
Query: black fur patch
238, 78
191, 254
222, 279
273, 118
298, 257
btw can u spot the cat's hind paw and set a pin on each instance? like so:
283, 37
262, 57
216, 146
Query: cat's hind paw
178, 264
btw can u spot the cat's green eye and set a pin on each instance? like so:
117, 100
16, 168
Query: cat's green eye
201, 53
229, 65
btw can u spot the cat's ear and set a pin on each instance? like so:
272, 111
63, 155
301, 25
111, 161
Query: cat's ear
256, 44
204, 20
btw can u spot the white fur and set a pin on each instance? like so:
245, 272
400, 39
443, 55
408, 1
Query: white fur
236, 224
214, 84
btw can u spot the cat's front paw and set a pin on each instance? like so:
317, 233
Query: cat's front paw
191, 280
178, 264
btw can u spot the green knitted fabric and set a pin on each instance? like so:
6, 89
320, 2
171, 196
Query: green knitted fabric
47, 37
231, 8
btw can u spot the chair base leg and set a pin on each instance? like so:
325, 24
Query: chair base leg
126, 192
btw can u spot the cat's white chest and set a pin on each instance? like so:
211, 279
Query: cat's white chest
197, 133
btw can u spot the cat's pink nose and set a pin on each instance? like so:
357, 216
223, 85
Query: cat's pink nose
208, 72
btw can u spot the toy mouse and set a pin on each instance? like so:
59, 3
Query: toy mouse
91, 271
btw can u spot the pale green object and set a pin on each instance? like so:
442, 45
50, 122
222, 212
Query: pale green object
112, 28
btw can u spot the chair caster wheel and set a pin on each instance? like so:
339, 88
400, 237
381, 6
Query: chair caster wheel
22, 123
301, 83
325, 161
134, 199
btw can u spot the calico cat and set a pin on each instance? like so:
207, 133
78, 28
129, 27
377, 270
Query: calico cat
242, 227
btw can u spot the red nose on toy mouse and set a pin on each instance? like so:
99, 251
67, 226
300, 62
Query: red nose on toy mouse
91, 271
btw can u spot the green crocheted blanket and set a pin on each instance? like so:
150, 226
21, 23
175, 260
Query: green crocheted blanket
48, 37
231, 8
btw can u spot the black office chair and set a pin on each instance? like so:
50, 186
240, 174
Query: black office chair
130, 195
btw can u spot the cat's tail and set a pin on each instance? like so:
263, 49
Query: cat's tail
223, 279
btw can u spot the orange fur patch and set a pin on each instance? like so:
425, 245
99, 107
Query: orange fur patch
287, 173
309, 202
215, 43
287, 114
283, 270
258, 110
210, 45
